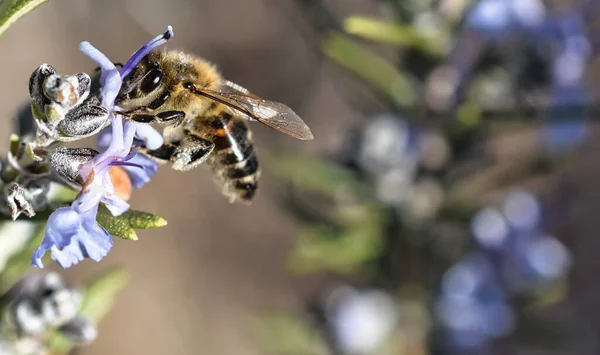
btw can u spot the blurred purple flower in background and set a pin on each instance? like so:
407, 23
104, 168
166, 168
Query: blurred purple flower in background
496, 19
360, 320
473, 306
561, 38
515, 257
566, 128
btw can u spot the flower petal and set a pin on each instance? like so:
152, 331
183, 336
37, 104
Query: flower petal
138, 176
63, 224
110, 80
142, 52
69, 255
71, 236
116, 205
99, 241
104, 138
89, 197
151, 138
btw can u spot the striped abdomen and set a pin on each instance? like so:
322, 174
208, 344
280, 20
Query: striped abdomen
233, 160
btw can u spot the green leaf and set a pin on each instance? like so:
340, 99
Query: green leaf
282, 333
124, 226
100, 294
115, 225
13, 10
345, 250
371, 67
394, 34
312, 173
144, 220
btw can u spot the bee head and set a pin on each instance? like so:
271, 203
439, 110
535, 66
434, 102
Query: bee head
143, 85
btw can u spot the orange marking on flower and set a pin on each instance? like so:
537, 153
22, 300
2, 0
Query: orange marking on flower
87, 183
121, 182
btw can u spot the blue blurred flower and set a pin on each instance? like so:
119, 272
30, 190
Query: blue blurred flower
361, 321
495, 19
512, 238
514, 258
567, 119
473, 306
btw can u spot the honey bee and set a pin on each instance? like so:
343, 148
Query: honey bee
206, 118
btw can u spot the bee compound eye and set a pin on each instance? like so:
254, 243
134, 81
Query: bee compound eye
151, 81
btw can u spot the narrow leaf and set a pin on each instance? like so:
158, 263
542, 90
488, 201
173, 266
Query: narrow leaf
144, 220
312, 173
116, 226
124, 226
322, 248
371, 67
394, 34
13, 10
100, 294
282, 333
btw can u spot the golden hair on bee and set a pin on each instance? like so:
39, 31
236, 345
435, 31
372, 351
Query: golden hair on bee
210, 116
157, 83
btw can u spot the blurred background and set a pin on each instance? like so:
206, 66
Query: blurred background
446, 206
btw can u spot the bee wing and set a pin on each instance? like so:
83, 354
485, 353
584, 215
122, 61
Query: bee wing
273, 114
233, 88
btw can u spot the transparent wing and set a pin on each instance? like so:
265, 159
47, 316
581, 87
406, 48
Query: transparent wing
233, 88
273, 114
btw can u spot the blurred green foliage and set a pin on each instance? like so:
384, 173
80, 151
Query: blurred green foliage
396, 34
99, 297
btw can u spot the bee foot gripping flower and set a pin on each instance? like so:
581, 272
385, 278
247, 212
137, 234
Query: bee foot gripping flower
72, 233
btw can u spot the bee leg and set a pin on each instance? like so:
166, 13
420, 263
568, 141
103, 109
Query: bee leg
184, 155
162, 154
192, 151
168, 116
173, 117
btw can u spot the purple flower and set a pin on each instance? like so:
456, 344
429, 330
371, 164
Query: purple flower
145, 135
72, 236
72, 233
495, 19
566, 126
